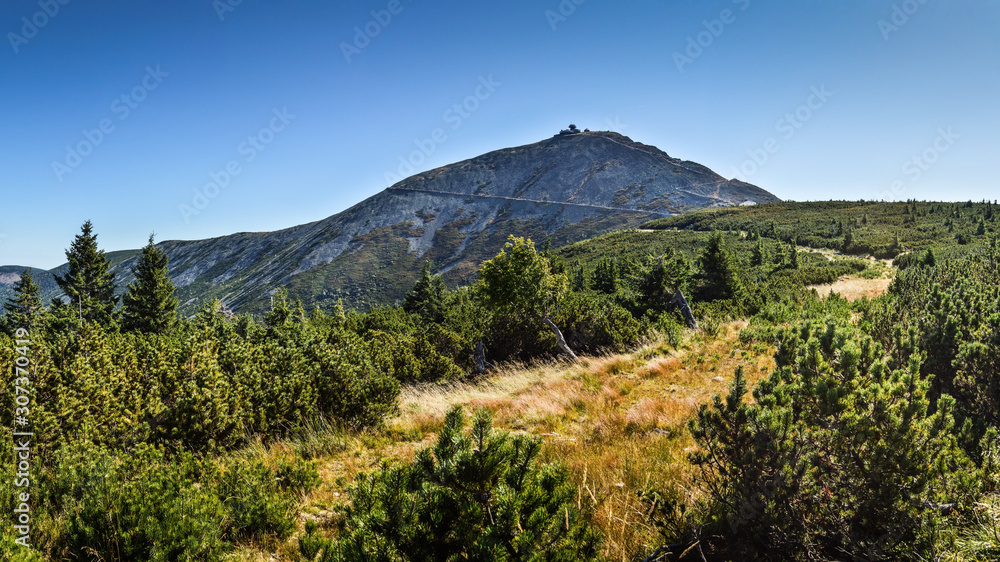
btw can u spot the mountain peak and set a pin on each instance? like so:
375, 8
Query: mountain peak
572, 186
603, 169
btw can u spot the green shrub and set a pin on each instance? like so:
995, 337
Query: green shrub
299, 476
314, 547
137, 507
254, 503
949, 312
478, 495
838, 457
150, 505
595, 324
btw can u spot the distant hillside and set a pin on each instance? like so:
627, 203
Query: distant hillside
567, 188
10, 274
884, 230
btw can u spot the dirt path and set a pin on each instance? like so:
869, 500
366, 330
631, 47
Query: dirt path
853, 288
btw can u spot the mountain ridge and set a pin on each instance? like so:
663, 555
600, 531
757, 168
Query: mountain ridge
567, 188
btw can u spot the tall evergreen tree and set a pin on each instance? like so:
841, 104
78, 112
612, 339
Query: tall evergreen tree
660, 279
720, 278
25, 310
759, 256
606, 276
928, 259
848, 242
579, 284
89, 283
426, 298
149, 304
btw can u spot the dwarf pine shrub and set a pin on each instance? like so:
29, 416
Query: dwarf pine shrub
478, 494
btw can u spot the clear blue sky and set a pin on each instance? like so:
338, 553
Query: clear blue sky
921, 84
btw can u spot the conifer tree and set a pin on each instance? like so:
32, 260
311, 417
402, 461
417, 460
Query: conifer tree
25, 310
759, 256
426, 298
719, 271
817, 498
89, 283
579, 283
779, 255
477, 495
660, 279
928, 259
149, 304
284, 313
606, 276
848, 242
793, 254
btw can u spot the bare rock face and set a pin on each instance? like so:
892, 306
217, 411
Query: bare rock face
567, 188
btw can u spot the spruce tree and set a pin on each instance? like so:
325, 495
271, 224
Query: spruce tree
929, 259
89, 283
848, 242
660, 279
579, 284
606, 276
426, 298
720, 279
759, 256
150, 305
25, 310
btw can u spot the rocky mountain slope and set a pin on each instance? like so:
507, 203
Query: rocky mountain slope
567, 188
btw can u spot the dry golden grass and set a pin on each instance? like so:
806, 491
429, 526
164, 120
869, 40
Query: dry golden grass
853, 288
618, 422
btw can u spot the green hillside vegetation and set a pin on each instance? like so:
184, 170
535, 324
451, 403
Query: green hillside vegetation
601, 428
884, 230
